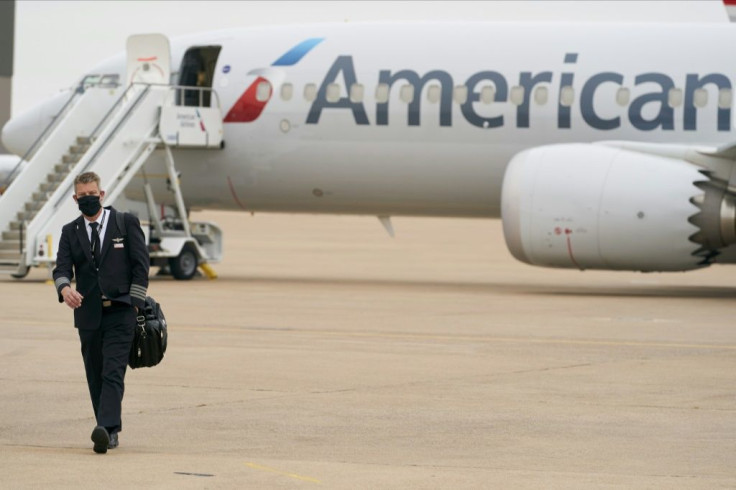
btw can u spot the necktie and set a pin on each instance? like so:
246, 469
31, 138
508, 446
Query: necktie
95, 243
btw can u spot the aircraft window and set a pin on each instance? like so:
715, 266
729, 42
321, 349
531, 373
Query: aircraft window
700, 97
460, 94
406, 94
567, 96
310, 92
725, 98
674, 97
541, 94
108, 80
487, 94
287, 91
623, 95
333, 92
433, 93
382, 93
263, 91
357, 92
517, 95
90, 80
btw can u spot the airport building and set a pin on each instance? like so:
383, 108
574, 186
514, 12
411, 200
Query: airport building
7, 34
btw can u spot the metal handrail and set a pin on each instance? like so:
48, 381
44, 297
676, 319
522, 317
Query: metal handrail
178, 99
112, 110
42, 136
114, 131
80, 90
22, 226
117, 127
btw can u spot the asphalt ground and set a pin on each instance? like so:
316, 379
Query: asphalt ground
330, 355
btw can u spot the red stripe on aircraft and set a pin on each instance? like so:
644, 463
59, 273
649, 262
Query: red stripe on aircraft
569, 250
152, 58
730, 2
248, 107
232, 191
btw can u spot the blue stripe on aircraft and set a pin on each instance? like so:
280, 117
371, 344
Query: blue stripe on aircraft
296, 53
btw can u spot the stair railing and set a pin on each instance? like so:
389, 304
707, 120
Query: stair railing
177, 97
42, 137
22, 229
103, 124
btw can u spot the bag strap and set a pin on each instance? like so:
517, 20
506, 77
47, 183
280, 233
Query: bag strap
120, 220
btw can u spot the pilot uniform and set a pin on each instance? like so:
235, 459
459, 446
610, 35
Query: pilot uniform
113, 279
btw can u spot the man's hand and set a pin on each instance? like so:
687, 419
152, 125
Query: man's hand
71, 297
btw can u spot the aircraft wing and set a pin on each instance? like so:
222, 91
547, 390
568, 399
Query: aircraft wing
727, 151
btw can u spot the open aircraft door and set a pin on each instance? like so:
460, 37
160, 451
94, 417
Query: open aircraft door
148, 59
198, 71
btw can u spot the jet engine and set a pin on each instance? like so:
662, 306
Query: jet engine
590, 206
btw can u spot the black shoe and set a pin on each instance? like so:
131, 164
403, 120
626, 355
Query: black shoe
101, 439
113, 441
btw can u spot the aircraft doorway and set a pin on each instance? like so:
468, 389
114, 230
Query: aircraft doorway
197, 70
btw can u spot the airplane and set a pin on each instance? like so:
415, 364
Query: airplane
599, 146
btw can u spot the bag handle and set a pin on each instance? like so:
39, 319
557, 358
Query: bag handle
141, 320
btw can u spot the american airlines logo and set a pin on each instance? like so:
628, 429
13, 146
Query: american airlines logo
648, 111
249, 106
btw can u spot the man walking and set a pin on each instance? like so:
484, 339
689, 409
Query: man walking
111, 267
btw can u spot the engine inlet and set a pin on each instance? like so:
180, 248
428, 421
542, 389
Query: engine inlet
716, 220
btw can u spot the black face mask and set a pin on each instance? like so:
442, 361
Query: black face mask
89, 205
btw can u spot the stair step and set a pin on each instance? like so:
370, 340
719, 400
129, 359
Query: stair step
11, 235
62, 168
9, 247
84, 140
71, 158
10, 266
33, 206
48, 186
26, 216
14, 225
78, 149
55, 178
40, 196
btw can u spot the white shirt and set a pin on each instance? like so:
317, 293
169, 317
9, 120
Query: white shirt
102, 220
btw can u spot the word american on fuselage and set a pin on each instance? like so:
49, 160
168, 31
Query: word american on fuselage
664, 119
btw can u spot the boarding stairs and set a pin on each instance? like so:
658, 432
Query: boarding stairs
107, 130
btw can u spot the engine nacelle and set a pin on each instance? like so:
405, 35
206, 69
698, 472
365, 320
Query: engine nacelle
597, 207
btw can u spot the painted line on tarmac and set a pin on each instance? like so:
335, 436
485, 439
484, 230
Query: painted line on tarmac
460, 338
282, 473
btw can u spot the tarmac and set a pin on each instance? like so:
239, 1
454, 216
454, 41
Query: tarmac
330, 355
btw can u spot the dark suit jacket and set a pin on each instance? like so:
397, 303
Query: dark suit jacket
122, 274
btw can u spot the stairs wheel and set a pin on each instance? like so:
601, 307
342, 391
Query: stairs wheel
184, 266
21, 274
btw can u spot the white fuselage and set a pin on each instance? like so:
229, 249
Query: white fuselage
411, 155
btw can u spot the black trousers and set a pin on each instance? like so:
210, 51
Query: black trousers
105, 351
